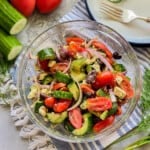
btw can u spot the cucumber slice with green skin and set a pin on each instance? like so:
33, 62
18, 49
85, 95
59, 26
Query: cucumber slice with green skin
10, 47
86, 127
73, 88
37, 105
68, 126
100, 92
57, 117
61, 77
10, 19
62, 94
47, 80
113, 110
47, 53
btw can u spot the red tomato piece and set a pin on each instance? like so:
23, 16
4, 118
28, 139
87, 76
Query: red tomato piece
102, 47
99, 104
103, 79
87, 89
59, 85
47, 6
26, 7
43, 64
49, 102
58, 67
76, 47
74, 39
103, 124
61, 105
75, 118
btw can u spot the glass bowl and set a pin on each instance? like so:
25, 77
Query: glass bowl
54, 36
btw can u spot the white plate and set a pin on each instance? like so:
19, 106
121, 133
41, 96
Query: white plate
137, 32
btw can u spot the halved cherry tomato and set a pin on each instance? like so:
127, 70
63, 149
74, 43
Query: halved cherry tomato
76, 47
59, 67
43, 64
103, 124
99, 104
47, 6
87, 89
61, 105
75, 118
103, 79
126, 86
102, 47
74, 39
59, 85
49, 102
26, 7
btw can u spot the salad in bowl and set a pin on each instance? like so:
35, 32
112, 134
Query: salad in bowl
78, 81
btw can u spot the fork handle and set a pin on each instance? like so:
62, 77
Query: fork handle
147, 19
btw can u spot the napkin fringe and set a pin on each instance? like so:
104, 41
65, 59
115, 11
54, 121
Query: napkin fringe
37, 139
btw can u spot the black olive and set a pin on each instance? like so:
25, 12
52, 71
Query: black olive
116, 55
91, 77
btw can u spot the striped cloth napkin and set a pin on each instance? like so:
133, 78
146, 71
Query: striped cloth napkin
79, 12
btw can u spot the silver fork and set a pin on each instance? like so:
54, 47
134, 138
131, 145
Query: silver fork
120, 14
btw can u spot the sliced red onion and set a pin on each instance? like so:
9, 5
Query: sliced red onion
112, 96
79, 99
97, 54
90, 42
30, 56
68, 67
58, 54
63, 51
51, 85
84, 54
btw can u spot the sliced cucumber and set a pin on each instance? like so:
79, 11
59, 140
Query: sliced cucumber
10, 19
62, 94
47, 53
73, 88
37, 105
57, 117
113, 110
61, 77
10, 47
86, 127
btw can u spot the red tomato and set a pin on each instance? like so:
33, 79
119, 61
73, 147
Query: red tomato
87, 89
104, 79
43, 64
126, 86
74, 39
75, 118
99, 104
49, 102
58, 67
59, 85
26, 7
103, 48
103, 124
61, 105
47, 6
